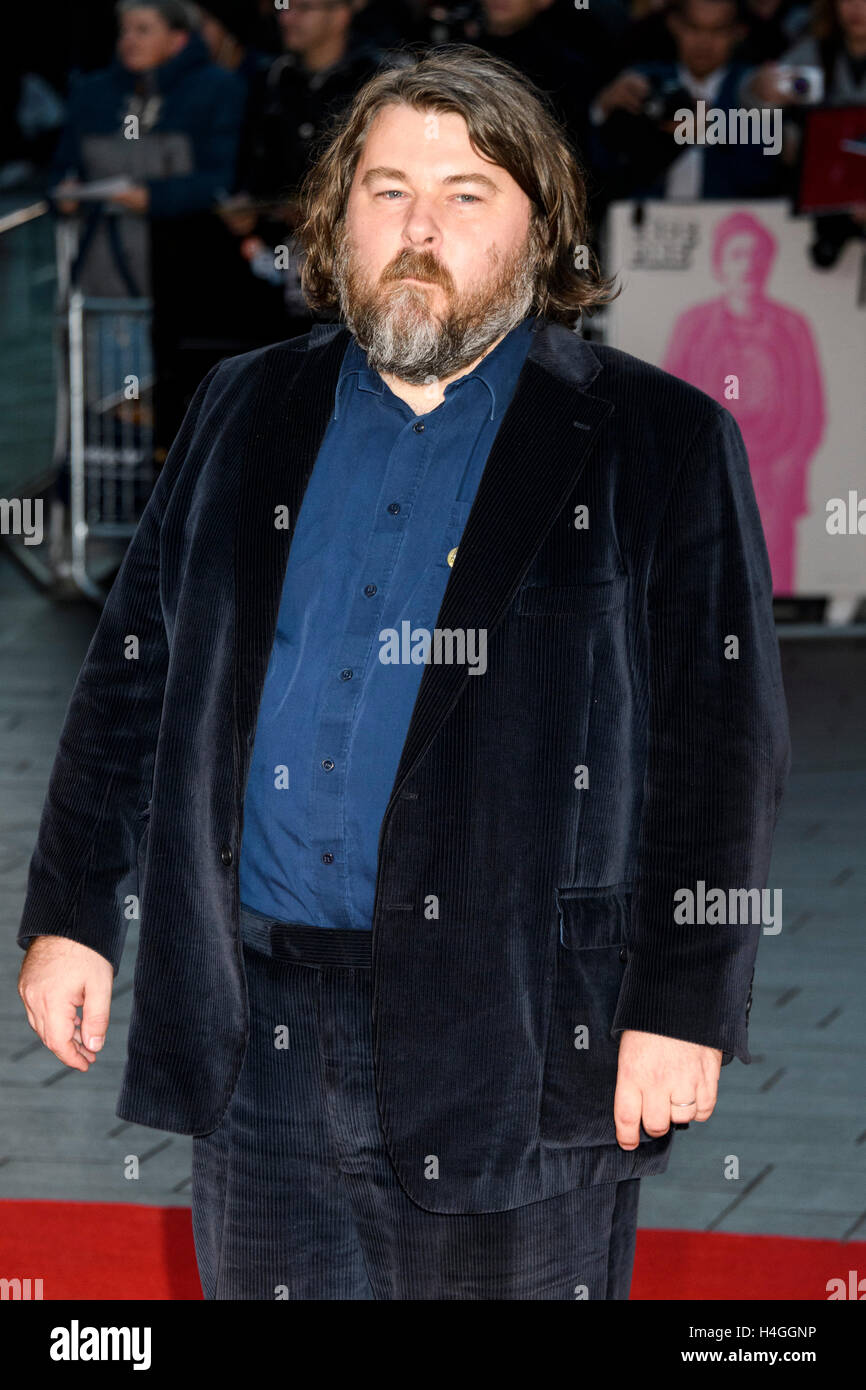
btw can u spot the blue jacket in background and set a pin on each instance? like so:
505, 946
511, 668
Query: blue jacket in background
199, 99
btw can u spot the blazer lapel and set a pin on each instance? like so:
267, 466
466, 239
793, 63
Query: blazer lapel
539, 452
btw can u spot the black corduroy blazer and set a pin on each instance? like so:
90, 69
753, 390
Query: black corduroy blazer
627, 740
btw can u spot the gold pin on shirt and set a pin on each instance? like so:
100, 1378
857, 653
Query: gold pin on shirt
451, 554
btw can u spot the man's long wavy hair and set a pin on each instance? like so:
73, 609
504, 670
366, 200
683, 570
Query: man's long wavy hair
509, 122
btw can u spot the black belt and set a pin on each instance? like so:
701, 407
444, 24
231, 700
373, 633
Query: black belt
306, 945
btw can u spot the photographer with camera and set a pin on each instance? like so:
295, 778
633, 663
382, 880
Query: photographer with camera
827, 67
633, 146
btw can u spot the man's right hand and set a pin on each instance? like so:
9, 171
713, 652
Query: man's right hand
68, 206
57, 978
628, 92
763, 84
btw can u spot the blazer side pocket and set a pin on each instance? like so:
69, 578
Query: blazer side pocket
580, 1064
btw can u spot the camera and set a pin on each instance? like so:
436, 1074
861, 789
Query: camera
804, 84
666, 98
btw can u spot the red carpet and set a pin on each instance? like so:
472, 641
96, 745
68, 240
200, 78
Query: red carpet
107, 1250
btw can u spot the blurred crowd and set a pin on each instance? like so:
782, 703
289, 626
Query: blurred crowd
177, 134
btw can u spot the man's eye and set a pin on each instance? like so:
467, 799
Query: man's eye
386, 194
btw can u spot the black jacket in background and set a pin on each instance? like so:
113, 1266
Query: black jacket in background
288, 109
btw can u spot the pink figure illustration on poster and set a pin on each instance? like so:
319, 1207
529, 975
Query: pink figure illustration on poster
771, 351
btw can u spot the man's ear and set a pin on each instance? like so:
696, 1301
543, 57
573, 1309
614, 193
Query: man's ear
178, 41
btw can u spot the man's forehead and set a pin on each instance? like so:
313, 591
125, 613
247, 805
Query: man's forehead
396, 126
400, 116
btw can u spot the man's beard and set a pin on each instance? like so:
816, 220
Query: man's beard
404, 337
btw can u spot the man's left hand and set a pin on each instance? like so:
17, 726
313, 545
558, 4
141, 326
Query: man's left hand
662, 1080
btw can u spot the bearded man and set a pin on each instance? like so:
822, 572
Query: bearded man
441, 663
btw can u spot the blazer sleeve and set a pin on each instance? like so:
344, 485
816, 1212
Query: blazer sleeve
718, 752
98, 788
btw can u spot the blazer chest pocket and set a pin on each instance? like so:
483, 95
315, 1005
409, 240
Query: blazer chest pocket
581, 1057
588, 599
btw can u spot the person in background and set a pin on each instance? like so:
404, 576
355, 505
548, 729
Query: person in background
250, 310
593, 31
166, 119
773, 25
291, 104
315, 77
633, 146
836, 46
647, 39
835, 53
770, 27
227, 28
518, 32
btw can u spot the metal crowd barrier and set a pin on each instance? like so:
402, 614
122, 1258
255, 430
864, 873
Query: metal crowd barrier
104, 424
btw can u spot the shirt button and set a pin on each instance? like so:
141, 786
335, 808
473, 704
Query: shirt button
328, 764
226, 854
418, 427
393, 508
346, 675
305, 130
327, 857
623, 953
369, 590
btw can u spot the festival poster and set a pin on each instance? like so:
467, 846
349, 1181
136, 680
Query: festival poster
725, 296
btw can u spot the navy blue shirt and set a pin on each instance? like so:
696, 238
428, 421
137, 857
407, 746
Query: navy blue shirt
386, 503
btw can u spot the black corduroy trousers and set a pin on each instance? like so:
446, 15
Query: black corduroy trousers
294, 1196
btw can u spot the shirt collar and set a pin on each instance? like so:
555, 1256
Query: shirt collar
496, 372
704, 87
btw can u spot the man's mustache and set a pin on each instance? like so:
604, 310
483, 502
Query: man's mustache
403, 271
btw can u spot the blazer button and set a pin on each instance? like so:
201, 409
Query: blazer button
226, 854
623, 953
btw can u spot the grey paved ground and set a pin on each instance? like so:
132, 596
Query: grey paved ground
794, 1120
